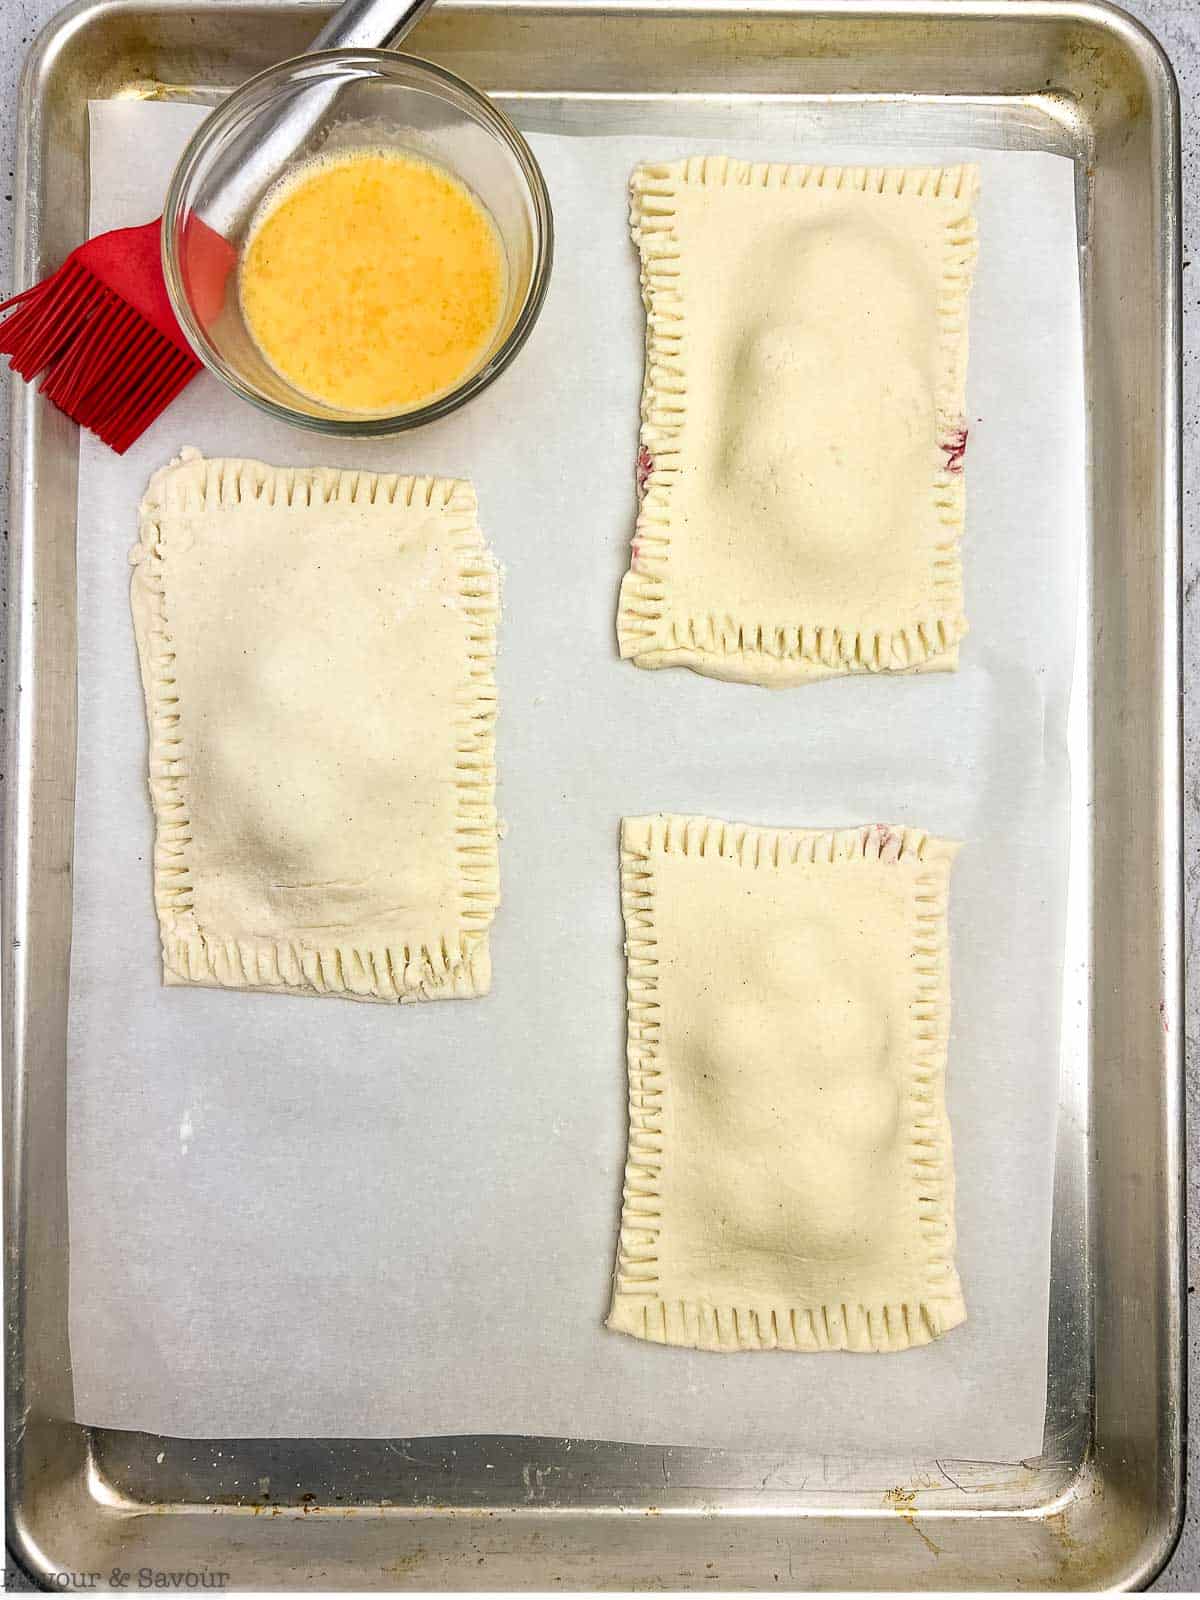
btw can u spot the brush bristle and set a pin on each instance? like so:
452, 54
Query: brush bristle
100, 360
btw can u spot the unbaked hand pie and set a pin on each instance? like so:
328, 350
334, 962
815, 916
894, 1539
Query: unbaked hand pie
803, 433
317, 651
789, 1183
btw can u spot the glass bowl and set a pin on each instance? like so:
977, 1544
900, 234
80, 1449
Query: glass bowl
332, 103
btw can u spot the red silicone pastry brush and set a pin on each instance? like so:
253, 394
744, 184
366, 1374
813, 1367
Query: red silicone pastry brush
101, 334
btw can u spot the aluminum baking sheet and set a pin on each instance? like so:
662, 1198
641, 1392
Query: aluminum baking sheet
1099, 1506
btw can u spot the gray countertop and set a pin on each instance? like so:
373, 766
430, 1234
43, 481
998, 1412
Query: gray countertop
1177, 24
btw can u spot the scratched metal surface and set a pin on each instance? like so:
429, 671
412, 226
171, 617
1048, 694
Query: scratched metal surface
1101, 1505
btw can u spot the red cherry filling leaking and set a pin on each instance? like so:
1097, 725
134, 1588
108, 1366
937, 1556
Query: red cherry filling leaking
955, 447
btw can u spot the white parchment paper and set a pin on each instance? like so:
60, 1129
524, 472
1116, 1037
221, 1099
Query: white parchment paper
304, 1217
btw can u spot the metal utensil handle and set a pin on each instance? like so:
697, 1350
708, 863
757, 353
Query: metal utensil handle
356, 24
368, 24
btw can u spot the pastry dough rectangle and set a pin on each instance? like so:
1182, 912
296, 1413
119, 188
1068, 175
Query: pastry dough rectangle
790, 1183
317, 651
802, 440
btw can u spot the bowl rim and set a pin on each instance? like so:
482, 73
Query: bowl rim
367, 426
